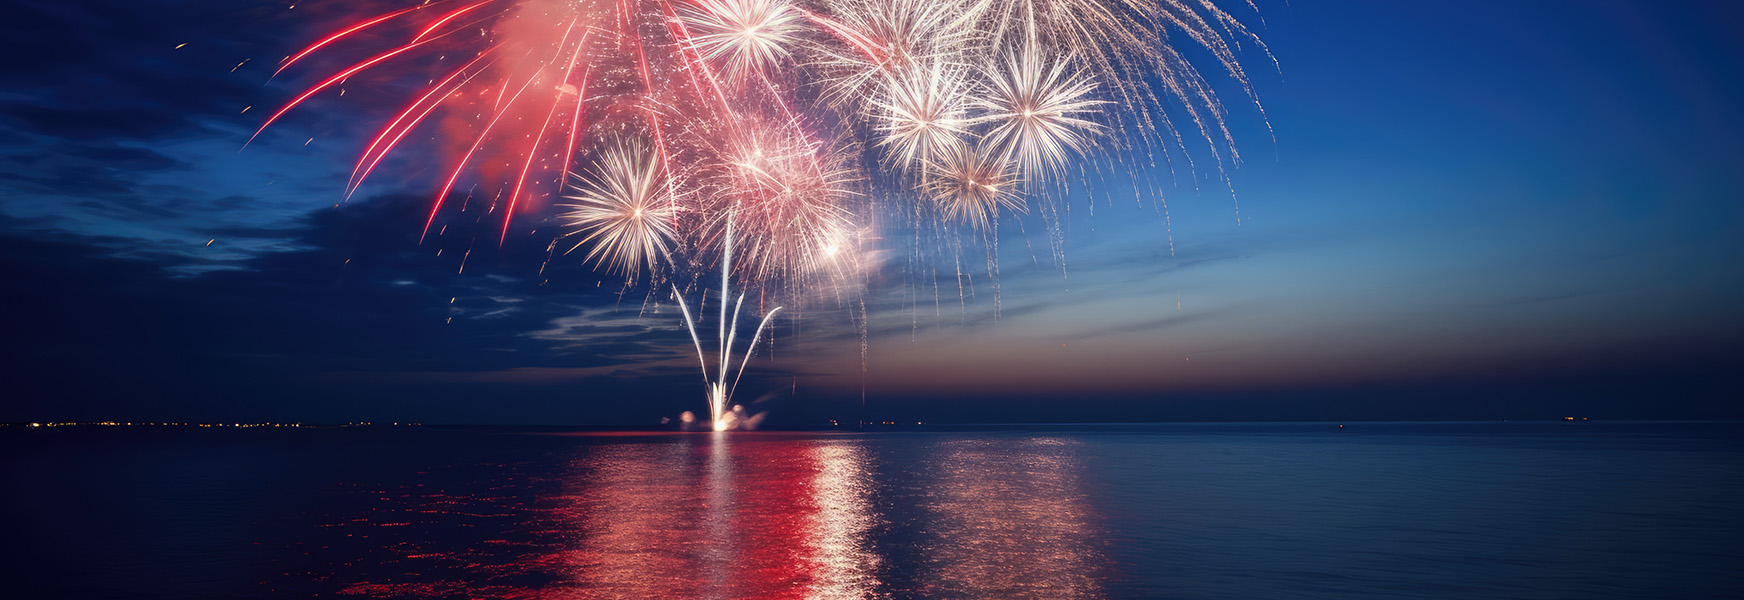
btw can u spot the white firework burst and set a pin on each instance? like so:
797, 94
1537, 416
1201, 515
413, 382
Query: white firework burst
921, 112
874, 41
972, 183
1134, 47
786, 196
624, 209
1037, 111
745, 36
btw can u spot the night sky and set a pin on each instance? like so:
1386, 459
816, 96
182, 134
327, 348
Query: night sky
1471, 210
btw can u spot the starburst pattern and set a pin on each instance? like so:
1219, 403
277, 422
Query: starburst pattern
971, 184
624, 210
871, 41
922, 112
1036, 108
786, 196
528, 83
745, 36
1128, 45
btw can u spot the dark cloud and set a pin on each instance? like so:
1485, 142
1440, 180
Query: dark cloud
87, 171
354, 325
110, 70
98, 331
127, 116
95, 123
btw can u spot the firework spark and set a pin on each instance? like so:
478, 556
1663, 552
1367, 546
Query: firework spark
786, 196
870, 41
719, 389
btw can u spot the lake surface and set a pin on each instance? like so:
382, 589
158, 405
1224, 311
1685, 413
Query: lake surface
1212, 511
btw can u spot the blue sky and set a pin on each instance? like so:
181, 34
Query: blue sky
1469, 209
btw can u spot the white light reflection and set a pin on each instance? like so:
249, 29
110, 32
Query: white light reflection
719, 552
845, 565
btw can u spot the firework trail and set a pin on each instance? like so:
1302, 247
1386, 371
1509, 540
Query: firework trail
720, 390
782, 131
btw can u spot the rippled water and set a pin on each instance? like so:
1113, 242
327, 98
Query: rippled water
1140, 511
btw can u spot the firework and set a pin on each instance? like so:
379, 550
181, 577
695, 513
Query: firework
624, 210
786, 195
923, 112
719, 389
971, 184
1127, 45
868, 42
777, 126
1036, 108
745, 36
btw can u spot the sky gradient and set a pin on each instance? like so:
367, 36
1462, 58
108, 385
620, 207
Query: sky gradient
1462, 211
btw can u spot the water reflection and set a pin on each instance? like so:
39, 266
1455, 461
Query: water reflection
730, 516
721, 516
1011, 521
842, 523
634, 516
1211, 511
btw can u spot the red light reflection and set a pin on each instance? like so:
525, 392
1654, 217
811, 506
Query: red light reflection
731, 516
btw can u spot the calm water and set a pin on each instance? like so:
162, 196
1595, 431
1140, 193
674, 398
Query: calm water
1146, 511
